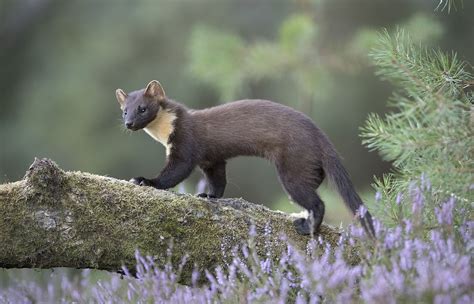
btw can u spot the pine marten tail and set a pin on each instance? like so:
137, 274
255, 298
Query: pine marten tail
340, 178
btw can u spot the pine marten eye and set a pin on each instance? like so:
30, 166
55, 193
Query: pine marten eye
141, 109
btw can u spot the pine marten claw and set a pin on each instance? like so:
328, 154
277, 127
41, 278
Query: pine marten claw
205, 195
140, 181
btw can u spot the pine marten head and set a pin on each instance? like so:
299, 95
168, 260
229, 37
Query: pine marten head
141, 107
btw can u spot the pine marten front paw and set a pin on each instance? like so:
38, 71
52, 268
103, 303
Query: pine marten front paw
141, 181
205, 195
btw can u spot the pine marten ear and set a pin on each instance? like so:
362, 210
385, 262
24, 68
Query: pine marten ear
121, 97
155, 90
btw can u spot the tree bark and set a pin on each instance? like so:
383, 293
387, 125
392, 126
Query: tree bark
53, 218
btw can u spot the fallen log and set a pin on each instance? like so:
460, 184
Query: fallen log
52, 218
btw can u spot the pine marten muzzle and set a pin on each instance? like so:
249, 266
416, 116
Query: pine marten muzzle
301, 152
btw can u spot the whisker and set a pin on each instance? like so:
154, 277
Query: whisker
123, 128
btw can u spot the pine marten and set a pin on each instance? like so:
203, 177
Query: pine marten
301, 152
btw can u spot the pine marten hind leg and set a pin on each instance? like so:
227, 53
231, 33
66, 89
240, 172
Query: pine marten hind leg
216, 179
303, 192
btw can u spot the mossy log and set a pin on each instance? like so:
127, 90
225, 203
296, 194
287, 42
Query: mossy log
53, 218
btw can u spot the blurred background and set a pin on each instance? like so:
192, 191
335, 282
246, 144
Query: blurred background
61, 61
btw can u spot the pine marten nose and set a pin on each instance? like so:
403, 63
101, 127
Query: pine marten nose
129, 124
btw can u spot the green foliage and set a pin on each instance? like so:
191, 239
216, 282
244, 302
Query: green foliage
226, 63
222, 64
430, 133
422, 28
297, 33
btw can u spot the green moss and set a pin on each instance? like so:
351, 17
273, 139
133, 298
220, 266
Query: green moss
72, 219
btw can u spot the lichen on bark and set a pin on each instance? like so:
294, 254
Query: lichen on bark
54, 218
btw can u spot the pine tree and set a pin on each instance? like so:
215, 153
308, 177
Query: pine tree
429, 136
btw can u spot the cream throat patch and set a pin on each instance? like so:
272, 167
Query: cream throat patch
161, 128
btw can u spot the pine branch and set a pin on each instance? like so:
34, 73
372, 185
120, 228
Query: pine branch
429, 133
417, 70
448, 4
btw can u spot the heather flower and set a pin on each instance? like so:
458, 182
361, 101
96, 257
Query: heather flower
408, 226
425, 182
444, 214
406, 256
417, 199
362, 211
195, 277
399, 198
357, 232
265, 265
466, 233
378, 196
378, 227
253, 231
300, 298
392, 239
